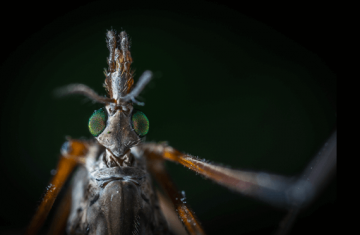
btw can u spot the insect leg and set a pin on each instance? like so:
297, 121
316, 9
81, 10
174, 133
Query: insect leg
279, 191
317, 174
170, 214
266, 187
156, 167
73, 152
59, 221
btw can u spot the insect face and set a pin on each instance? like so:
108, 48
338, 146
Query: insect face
118, 136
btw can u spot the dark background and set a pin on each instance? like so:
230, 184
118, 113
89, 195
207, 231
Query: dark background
249, 88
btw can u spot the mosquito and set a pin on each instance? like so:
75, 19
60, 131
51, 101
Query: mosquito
112, 190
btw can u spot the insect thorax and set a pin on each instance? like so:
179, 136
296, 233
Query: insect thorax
114, 200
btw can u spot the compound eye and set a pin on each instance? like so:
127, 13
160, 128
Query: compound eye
97, 122
140, 123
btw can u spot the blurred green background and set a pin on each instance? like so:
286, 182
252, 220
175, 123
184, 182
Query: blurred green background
231, 85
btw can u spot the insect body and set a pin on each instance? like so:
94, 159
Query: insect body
112, 192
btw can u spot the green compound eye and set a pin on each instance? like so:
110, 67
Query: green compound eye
140, 123
97, 122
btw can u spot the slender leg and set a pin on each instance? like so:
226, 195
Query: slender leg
266, 187
317, 174
279, 191
58, 223
170, 214
156, 167
73, 152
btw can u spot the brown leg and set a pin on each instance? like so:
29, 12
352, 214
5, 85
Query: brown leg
279, 191
170, 214
266, 187
156, 167
59, 221
73, 154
